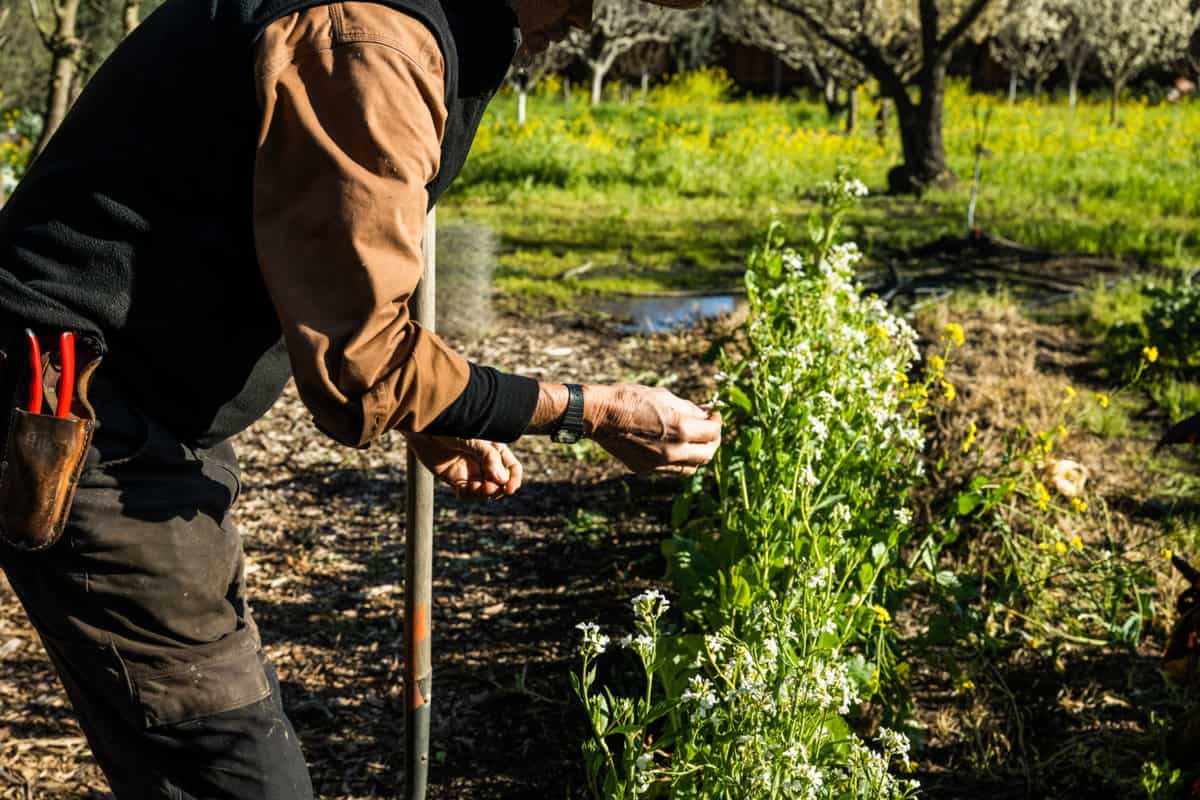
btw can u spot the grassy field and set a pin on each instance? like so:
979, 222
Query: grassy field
669, 195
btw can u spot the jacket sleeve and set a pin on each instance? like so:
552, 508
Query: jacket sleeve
353, 113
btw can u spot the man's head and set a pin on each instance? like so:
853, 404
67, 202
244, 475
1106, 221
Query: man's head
545, 21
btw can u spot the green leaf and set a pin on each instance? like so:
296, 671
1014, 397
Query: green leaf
947, 580
739, 399
755, 443
680, 510
967, 502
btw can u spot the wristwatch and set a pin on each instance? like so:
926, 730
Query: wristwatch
570, 427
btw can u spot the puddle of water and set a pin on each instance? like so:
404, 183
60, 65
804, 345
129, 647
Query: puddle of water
661, 314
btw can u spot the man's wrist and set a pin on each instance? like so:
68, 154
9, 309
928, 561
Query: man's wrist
552, 405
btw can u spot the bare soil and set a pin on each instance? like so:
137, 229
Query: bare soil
324, 534
325, 547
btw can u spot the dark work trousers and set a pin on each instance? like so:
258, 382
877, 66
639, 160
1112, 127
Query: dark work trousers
142, 610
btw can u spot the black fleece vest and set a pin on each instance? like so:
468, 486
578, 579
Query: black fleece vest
134, 227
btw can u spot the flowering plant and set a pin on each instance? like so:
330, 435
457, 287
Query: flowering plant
783, 552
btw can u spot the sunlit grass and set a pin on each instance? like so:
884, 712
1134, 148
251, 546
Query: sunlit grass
669, 195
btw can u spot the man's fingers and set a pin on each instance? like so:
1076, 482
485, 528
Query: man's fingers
700, 430
675, 469
690, 454
492, 462
476, 490
516, 472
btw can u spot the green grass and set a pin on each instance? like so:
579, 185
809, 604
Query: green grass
670, 195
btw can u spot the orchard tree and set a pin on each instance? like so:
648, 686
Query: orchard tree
1132, 35
530, 69
642, 62
1027, 43
617, 27
792, 41
1075, 43
61, 38
905, 45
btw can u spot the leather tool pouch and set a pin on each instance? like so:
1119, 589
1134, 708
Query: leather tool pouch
42, 460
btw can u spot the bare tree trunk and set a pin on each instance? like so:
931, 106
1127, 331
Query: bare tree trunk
921, 135
1074, 73
132, 15
852, 110
597, 85
522, 100
1114, 111
882, 120
66, 50
1012, 87
830, 95
566, 90
645, 87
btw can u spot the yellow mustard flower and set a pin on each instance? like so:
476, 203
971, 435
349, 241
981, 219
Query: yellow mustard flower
955, 333
937, 364
1077, 543
1078, 504
1102, 399
1069, 391
948, 391
1166, 553
1043, 496
1151, 353
1060, 548
882, 615
964, 685
1062, 431
1034, 643
970, 440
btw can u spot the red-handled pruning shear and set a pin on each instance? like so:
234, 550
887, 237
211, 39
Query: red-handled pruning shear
66, 380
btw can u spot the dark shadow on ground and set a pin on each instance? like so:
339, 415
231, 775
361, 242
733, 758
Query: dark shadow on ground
512, 580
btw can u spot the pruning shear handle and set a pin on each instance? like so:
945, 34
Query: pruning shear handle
66, 380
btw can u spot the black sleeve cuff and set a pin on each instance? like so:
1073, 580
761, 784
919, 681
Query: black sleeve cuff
495, 407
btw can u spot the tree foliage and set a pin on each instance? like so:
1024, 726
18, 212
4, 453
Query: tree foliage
1131, 35
618, 26
906, 45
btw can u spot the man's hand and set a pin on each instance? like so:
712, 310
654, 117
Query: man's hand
652, 430
646, 429
475, 469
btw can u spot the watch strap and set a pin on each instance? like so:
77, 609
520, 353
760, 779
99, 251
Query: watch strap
571, 427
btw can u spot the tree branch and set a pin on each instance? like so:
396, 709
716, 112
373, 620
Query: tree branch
37, 24
959, 29
861, 48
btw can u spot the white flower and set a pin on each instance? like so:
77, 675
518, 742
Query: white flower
894, 744
855, 188
650, 604
771, 647
841, 514
819, 578
808, 477
594, 642
643, 645
715, 643
902, 515
700, 691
